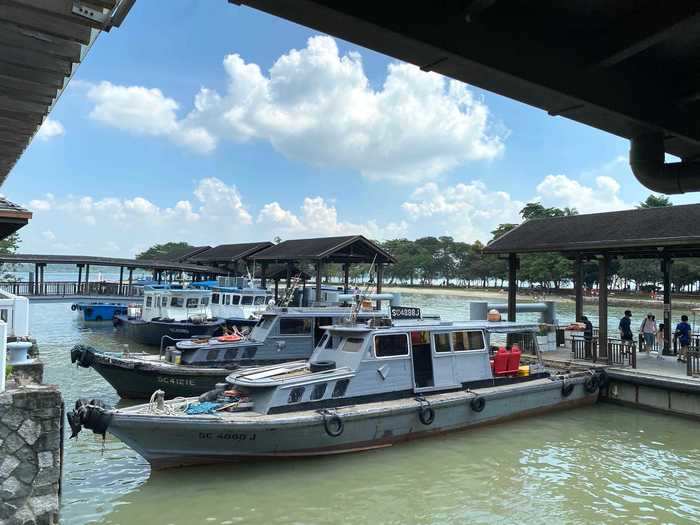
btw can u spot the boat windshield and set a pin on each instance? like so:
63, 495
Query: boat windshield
177, 302
247, 299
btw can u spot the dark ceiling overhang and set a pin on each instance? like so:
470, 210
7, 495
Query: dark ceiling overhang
628, 67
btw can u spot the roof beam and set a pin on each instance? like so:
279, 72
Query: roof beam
13, 35
52, 79
44, 22
36, 60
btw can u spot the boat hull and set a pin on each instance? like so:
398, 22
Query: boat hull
170, 441
151, 332
99, 312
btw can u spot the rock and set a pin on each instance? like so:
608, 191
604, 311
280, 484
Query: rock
4, 430
49, 441
44, 505
45, 459
26, 472
13, 418
12, 488
47, 476
13, 443
30, 431
24, 516
7, 509
7, 466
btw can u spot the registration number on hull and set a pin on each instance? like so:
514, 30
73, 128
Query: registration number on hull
227, 435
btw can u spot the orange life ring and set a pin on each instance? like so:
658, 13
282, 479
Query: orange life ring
231, 338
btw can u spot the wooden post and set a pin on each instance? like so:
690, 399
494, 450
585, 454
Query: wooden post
87, 278
263, 278
319, 271
36, 279
603, 264
380, 278
160, 275
346, 277
131, 279
80, 276
289, 278
512, 285
578, 286
43, 281
666, 263
121, 279
277, 290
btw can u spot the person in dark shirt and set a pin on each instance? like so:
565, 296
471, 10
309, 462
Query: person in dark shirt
683, 333
587, 334
626, 329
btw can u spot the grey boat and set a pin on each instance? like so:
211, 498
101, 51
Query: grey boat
367, 386
281, 334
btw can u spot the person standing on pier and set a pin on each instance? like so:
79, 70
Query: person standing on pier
683, 334
648, 331
625, 328
587, 335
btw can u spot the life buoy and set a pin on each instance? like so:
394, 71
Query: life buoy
332, 423
477, 403
74, 307
567, 389
230, 338
590, 385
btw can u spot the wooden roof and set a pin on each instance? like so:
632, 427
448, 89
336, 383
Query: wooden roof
647, 232
346, 249
225, 253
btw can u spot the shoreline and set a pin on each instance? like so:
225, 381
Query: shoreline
480, 293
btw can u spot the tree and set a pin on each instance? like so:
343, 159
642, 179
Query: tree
159, 251
655, 201
9, 245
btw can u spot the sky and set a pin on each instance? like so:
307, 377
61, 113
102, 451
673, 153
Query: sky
212, 123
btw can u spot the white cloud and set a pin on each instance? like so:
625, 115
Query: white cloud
48, 235
317, 106
49, 129
318, 217
562, 191
466, 211
144, 111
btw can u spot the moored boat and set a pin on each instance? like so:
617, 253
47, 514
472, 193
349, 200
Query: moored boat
169, 310
97, 312
367, 386
238, 304
281, 334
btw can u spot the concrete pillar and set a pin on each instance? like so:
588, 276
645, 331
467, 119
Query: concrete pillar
319, 271
121, 279
578, 286
131, 280
263, 278
289, 278
666, 264
603, 264
380, 278
277, 288
36, 279
512, 285
346, 278
87, 278
80, 277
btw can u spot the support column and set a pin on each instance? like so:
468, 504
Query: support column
380, 278
319, 271
121, 279
263, 278
87, 278
666, 264
603, 264
578, 286
512, 285
160, 276
289, 278
131, 280
346, 278
36, 278
80, 278
277, 290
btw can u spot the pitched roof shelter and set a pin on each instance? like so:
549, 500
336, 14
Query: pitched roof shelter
12, 217
229, 254
350, 249
41, 43
179, 254
653, 233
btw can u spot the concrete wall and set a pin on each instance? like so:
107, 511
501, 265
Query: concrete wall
31, 433
655, 398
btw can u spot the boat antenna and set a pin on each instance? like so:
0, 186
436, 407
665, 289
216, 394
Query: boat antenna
359, 298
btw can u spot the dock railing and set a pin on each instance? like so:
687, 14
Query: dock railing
70, 289
617, 352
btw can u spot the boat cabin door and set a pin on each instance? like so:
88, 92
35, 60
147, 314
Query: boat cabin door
422, 357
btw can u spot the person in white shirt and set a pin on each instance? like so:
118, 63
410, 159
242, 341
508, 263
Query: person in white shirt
648, 331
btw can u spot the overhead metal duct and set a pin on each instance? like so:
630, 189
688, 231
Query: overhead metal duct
648, 165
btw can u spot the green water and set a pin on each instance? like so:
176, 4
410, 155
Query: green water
602, 464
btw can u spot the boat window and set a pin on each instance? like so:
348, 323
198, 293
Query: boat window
390, 345
296, 394
227, 299
212, 355
249, 353
259, 299
164, 301
204, 301
442, 342
215, 298
291, 326
340, 387
192, 302
230, 354
475, 340
318, 391
236, 299
247, 299
149, 301
352, 344
268, 298
177, 302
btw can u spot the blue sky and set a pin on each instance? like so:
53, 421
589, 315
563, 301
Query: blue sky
178, 127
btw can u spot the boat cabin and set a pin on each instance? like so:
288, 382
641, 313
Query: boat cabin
379, 360
173, 302
235, 298
281, 334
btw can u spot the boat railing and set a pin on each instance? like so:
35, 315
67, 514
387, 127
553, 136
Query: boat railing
171, 340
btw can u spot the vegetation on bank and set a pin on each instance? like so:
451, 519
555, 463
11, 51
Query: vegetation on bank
443, 261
